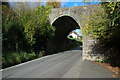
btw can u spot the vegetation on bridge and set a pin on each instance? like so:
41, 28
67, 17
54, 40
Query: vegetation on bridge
54, 3
104, 25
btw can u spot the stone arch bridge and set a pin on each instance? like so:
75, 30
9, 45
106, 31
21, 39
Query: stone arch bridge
67, 19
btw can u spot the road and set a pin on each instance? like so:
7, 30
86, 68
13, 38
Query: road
67, 64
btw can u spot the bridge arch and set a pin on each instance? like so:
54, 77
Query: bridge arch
79, 15
71, 15
64, 25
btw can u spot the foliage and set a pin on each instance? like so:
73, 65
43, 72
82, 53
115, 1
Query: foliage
53, 3
12, 58
103, 25
79, 40
112, 47
96, 24
6, 3
25, 30
28, 24
73, 43
10, 27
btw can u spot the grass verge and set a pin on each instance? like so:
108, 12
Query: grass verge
13, 58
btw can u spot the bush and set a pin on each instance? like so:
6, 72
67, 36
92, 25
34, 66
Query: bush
25, 32
13, 58
104, 25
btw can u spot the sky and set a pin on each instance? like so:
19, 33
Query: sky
78, 31
73, 4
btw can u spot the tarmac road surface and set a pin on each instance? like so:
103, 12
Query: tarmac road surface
67, 64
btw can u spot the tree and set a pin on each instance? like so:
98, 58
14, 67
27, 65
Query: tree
10, 27
6, 3
26, 29
53, 3
104, 26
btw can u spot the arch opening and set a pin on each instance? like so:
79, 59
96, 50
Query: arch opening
64, 25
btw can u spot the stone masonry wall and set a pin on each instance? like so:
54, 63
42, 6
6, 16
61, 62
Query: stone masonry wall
90, 50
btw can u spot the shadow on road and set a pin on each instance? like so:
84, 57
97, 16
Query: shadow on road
77, 48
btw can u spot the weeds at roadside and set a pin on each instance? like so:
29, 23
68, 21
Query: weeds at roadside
13, 58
